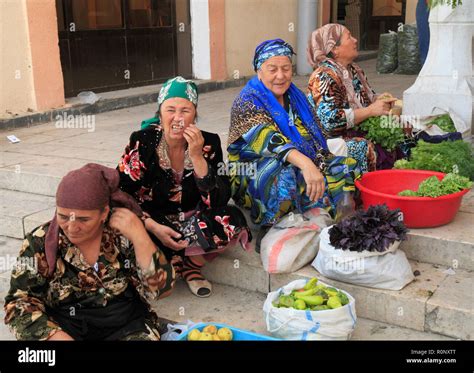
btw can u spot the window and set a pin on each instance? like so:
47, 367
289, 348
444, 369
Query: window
97, 14
150, 13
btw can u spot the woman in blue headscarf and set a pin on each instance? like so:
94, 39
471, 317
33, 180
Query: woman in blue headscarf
278, 156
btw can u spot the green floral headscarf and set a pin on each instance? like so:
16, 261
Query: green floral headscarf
175, 87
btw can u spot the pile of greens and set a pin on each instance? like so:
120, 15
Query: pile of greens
383, 130
452, 3
447, 156
372, 230
432, 187
445, 123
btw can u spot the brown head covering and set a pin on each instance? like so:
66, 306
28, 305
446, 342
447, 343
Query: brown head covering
91, 187
321, 42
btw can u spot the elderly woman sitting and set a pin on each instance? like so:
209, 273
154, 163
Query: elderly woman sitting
88, 273
342, 96
277, 151
175, 171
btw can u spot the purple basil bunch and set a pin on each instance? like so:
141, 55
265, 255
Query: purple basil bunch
372, 230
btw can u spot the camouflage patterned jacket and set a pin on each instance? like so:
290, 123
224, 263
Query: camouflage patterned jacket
75, 280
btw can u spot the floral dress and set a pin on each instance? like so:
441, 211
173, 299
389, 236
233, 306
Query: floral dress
36, 302
195, 207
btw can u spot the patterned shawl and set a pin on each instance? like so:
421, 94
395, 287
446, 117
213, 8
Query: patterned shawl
257, 105
321, 42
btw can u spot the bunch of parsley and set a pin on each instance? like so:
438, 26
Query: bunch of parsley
383, 130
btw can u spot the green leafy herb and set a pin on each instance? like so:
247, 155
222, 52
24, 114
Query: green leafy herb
383, 130
453, 3
447, 156
445, 123
433, 187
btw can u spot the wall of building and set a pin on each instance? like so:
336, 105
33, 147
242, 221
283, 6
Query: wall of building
249, 22
16, 73
46, 61
30, 67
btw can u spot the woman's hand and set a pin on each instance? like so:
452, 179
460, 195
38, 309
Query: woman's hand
60, 336
381, 107
127, 224
314, 180
165, 235
384, 95
195, 140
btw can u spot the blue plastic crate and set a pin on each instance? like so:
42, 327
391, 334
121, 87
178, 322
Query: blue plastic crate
238, 334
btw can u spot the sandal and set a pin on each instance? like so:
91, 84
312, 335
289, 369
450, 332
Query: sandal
197, 284
200, 288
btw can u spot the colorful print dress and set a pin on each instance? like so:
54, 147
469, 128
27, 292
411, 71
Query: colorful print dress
326, 92
195, 207
272, 187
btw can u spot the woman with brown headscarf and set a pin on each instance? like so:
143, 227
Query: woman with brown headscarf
88, 273
342, 96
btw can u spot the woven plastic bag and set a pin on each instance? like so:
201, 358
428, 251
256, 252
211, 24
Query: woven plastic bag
387, 58
293, 324
389, 270
408, 50
293, 242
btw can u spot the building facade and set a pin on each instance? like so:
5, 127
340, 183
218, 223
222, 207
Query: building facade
54, 49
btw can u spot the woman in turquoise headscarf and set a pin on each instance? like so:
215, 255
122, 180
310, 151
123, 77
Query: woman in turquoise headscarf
275, 134
172, 168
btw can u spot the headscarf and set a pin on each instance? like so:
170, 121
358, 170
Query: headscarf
91, 187
271, 48
175, 87
257, 105
321, 42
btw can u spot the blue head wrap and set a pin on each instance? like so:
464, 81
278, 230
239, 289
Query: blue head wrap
271, 48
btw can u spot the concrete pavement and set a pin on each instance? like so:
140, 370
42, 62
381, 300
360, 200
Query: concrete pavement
437, 305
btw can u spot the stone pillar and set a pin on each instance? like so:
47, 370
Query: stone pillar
307, 23
446, 80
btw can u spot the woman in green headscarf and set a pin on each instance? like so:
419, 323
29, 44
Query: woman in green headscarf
176, 173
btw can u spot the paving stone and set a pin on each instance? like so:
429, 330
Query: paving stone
15, 206
450, 311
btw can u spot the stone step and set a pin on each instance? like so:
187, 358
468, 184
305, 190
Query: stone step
18, 207
243, 309
451, 245
19, 172
440, 300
